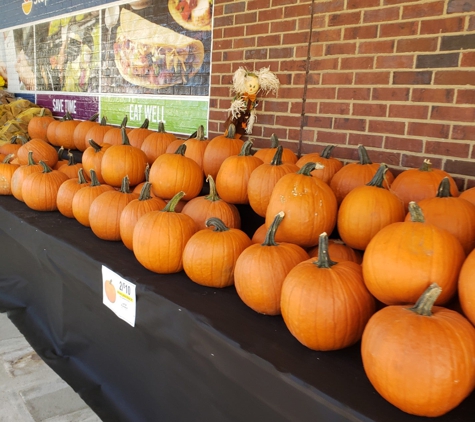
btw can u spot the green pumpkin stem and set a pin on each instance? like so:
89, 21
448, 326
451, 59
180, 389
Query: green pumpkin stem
103, 121
125, 185
379, 177
270, 234
426, 166
323, 259
82, 180
60, 153
8, 158
31, 161
161, 127
145, 192
444, 189
218, 224
95, 145
200, 133
181, 150
415, 212
213, 193
172, 203
145, 124
274, 141
231, 131
71, 161
124, 122
94, 117
94, 179
125, 138
327, 151
426, 301
246, 149
46, 168
307, 168
363, 155
277, 159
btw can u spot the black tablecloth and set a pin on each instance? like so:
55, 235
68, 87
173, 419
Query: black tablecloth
195, 353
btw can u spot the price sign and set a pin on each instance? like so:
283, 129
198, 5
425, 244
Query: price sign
118, 295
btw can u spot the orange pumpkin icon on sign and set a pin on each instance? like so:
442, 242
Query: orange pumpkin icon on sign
27, 6
111, 293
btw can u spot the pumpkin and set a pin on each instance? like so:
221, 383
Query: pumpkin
138, 134
114, 135
356, 174
61, 160
259, 234
466, 287
21, 173
134, 210
51, 130
309, 205
64, 133
83, 199
6, 173
97, 132
79, 135
71, 169
263, 179
160, 237
201, 208
40, 189
196, 147
173, 145
106, 209
156, 143
468, 195
367, 209
110, 291
123, 160
261, 269
234, 173
12, 146
420, 358
92, 158
417, 184
66, 192
339, 251
325, 304
210, 256
452, 213
404, 258
42, 151
267, 154
172, 173
38, 125
220, 148
330, 164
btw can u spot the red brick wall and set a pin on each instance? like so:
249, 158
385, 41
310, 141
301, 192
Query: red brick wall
397, 76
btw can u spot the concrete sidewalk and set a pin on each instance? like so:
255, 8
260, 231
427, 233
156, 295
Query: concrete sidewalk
30, 391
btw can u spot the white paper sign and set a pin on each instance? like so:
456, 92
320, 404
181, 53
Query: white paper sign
118, 295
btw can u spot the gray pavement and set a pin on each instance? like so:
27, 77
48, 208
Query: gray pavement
30, 391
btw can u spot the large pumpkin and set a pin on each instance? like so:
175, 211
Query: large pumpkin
325, 304
42, 151
420, 358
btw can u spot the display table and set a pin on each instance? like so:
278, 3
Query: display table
195, 353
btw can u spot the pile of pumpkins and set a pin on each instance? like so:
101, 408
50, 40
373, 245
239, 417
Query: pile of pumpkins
399, 255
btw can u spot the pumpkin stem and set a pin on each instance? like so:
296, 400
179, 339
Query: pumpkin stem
277, 159
23, 139
327, 151
46, 168
274, 141
444, 189
363, 155
60, 153
125, 138
145, 192
378, 178
161, 127
181, 150
31, 161
82, 180
94, 179
125, 185
124, 122
323, 260
246, 149
426, 301
8, 158
213, 193
426, 165
231, 131
71, 161
307, 168
270, 235
67, 116
218, 224
145, 124
170, 207
147, 172
200, 133
103, 121
95, 145
416, 213
94, 117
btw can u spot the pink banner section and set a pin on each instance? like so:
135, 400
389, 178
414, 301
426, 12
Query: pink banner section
79, 106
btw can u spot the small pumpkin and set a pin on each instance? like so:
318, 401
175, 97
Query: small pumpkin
21, 173
79, 135
339, 251
6, 173
210, 256
114, 135
66, 192
42, 151
92, 158
138, 134
65, 133
12, 146
38, 125
97, 132
466, 287
196, 147
71, 168
330, 164
156, 143
267, 154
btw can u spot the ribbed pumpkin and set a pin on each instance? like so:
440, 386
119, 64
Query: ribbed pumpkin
356, 174
259, 234
156, 143
367, 209
97, 132
196, 147
6, 173
233, 175
42, 151
309, 205
173, 145
83, 199
261, 269
65, 132
92, 158
172, 173
123, 160
137, 135
330, 164
12, 146
114, 135
106, 209
404, 258
267, 154
420, 358
201, 208
210, 256
71, 168
454, 214
325, 304
51, 130
466, 287
263, 179
40, 189
417, 184
339, 251
220, 148
160, 237
66, 192
79, 135
134, 210
21, 173
38, 125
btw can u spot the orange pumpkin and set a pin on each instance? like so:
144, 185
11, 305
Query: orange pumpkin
92, 158
42, 151
71, 169
65, 132
330, 164
466, 287
38, 125
114, 135
420, 358
21, 173
6, 173
138, 134
325, 304
79, 135
267, 154
196, 147
97, 132
156, 143
66, 192
339, 251
13, 146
